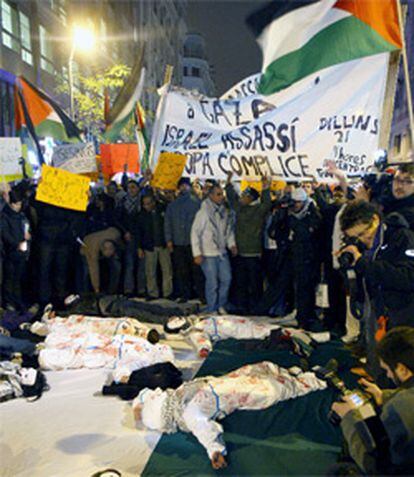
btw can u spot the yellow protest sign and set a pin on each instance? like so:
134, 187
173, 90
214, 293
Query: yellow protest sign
168, 171
63, 189
274, 186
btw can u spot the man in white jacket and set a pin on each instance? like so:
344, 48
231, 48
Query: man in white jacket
212, 234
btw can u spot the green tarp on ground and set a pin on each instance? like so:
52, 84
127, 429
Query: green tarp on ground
290, 438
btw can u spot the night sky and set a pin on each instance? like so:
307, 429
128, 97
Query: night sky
231, 47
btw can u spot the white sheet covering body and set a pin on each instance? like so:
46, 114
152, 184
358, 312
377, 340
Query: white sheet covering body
215, 328
92, 324
125, 353
196, 405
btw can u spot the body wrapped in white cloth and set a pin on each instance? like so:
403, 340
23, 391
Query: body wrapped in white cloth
197, 405
124, 353
204, 333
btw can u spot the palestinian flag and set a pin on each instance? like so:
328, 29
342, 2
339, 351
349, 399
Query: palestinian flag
124, 106
38, 113
299, 37
142, 138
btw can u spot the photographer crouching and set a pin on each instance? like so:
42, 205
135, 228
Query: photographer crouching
380, 436
382, 255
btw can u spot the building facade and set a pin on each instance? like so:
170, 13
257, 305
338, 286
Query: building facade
196, 68
35, 40
400, 139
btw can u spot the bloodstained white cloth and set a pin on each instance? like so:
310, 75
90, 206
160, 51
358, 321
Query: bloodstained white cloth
221, 327
125, 353
197, 405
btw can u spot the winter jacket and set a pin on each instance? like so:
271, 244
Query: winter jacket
249, 221
383, 444
57, 225
388, 271
404, 207
179, 218
150, 231
202, 234
12, 230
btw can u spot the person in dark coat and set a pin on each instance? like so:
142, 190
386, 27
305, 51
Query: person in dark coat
304, 221
152, 246
15, 237
179, 218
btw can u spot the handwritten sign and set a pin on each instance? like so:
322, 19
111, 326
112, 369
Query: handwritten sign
77, 158
274, 186
63, 189
168, 171
115, 156
10, 154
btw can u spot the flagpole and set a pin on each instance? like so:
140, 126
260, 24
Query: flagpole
406, 73
161, 109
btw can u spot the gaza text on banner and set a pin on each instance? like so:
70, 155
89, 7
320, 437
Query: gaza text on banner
169, 169
76, 158
331, 115
63, 189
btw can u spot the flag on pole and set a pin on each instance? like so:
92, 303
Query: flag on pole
142, 138
40, 115
124, 106
300, 37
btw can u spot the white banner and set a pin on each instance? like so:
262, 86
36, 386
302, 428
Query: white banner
10, 154
334, 114
77, 158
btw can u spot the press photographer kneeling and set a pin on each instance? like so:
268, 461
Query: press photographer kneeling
380, 435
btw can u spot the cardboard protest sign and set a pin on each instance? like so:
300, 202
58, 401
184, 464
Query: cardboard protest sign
63, 189
10, 154
333, 114
168, 171
274, 186
115, 156
76, 158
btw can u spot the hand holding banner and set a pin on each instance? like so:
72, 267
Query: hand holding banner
63, 189
168, 171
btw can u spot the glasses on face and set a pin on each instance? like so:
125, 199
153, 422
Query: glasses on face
403, 182
362, 233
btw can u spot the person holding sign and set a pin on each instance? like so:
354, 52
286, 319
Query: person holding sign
211, 235
251, 212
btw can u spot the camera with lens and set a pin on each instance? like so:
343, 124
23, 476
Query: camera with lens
379, 183
346, 259
330, 375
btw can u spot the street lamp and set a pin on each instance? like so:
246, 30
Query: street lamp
83, 39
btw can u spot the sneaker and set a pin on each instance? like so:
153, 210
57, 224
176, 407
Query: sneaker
222, 311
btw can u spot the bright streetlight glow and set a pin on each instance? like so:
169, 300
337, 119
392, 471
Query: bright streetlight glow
83, 38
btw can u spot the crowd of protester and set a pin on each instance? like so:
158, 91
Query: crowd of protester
247, 253
238, 252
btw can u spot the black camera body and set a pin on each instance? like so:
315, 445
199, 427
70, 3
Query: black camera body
346, 259
329, 374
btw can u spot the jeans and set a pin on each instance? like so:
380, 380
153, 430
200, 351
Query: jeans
14, 270
217, 271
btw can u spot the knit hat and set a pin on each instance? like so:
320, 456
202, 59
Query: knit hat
299, 195
184, 180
